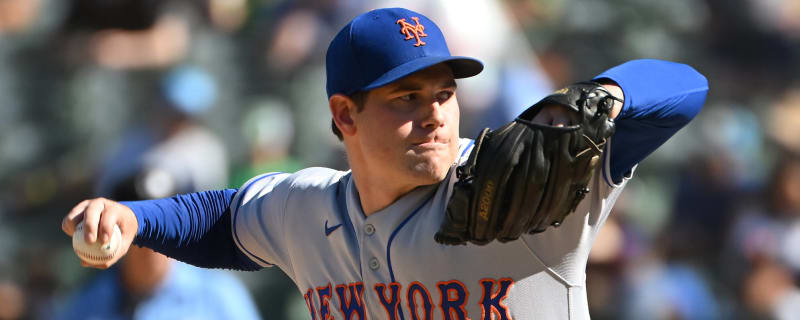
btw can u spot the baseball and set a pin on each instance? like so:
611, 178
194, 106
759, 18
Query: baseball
96, 253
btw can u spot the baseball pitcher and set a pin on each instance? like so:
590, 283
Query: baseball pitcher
428, 225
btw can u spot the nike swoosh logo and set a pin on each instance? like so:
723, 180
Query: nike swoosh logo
328, 231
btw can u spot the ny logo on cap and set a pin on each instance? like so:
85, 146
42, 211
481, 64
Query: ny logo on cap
412, 31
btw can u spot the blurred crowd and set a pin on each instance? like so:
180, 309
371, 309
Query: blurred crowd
137, 99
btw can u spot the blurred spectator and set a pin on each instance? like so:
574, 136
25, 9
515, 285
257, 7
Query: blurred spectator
769, 291
763, 246
148, 285
778, 15
295, 40
287, 42
662, 290
161, 45
269, 129
130, 34
228, 15
784, 119
17, 15
784, 190
174, 155
629, 276
605, 265
121, 14
12, 301
704, 207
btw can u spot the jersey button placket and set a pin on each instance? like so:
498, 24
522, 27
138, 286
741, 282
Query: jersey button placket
374, 264
369, 229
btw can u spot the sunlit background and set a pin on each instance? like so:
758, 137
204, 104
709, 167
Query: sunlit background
146, 98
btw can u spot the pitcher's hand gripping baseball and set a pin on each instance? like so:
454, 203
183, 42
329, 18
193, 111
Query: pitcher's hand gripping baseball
101, 218
526, 176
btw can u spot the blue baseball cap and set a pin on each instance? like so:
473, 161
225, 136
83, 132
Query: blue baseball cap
384, 45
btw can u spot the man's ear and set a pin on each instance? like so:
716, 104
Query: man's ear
342, 108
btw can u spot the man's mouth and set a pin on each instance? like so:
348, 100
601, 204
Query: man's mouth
431, 143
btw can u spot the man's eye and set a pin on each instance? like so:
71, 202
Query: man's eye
444, 95
407, 97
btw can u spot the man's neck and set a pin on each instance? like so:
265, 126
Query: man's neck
376, 193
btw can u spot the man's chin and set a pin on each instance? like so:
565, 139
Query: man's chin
430, 167
429, 173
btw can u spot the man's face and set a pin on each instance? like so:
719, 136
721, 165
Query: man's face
408, 130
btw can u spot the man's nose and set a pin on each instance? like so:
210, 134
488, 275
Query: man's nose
434, 117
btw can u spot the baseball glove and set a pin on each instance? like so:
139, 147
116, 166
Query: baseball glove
524, 176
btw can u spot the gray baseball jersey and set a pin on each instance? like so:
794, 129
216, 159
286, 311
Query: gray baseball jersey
387, 265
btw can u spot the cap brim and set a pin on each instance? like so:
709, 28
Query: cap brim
463, 67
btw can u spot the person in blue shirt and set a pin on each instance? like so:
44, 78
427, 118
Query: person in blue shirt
148, 285
177, 155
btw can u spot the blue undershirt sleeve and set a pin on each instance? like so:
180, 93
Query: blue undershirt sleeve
194, 228
660, 98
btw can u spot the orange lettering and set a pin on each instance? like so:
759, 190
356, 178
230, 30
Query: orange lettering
412, 31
